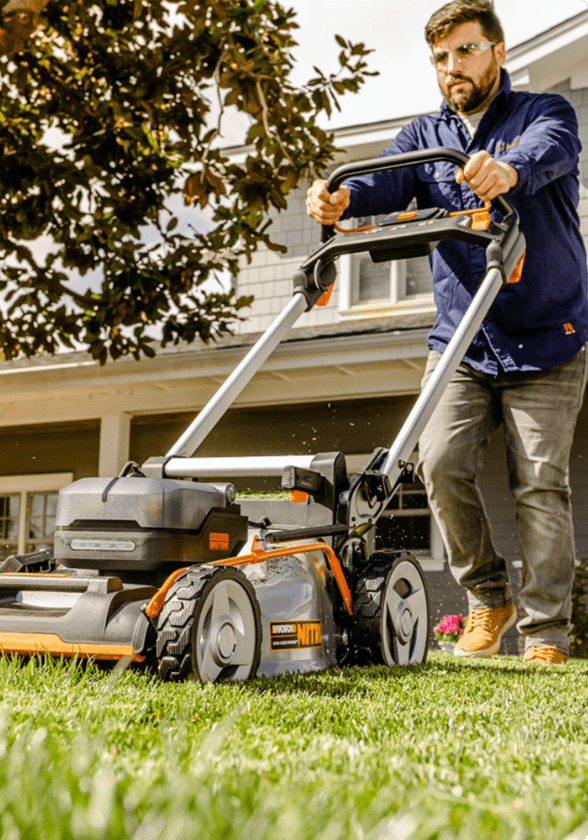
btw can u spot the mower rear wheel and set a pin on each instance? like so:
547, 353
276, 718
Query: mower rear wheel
391, 612
209, 627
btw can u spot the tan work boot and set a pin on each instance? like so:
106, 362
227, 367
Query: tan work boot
547, 655
484, 630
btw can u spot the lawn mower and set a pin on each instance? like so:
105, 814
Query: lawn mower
158, 567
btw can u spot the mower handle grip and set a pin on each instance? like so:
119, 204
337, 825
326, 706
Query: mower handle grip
413, 158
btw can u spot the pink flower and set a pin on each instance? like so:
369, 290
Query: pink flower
450, 628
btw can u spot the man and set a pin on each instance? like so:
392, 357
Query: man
526, 367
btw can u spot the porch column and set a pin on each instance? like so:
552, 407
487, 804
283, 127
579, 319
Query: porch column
115, 436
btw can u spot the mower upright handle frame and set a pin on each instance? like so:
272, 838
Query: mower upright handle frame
504, 246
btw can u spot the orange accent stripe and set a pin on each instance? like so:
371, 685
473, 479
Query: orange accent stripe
516, 275
156, 603
51, 643
473, 211
401, 217
353, 230
256, 545
298, 496
285, 551
326, 296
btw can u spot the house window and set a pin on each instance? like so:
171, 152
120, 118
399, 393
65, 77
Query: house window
40, 522
28, 505
407, 523
9, 519
390, 282
365, 284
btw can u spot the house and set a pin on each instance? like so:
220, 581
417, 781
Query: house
344, 379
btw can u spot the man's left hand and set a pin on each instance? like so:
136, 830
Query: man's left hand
487, 177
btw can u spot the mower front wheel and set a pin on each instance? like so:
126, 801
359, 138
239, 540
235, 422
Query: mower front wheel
209, 627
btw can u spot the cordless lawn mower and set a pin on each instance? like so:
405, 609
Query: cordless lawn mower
155, 566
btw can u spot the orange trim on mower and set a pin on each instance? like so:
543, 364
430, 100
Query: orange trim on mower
29, 643
258, 556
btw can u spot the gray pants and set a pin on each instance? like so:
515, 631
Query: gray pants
538, 411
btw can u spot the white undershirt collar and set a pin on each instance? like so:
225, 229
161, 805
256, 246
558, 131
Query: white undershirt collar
472, 121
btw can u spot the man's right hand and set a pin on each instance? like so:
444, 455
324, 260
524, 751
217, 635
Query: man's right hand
324, 207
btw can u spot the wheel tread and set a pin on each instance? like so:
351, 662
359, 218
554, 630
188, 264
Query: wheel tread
163, 638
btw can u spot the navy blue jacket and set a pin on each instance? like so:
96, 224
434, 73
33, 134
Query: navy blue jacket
541, 321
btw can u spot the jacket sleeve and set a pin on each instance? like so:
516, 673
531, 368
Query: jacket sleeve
548, 148
385, 192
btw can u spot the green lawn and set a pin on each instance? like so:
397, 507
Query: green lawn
451, 749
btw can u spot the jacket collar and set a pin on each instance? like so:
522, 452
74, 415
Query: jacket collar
498, 101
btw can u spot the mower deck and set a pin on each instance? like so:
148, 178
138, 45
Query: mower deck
67, 614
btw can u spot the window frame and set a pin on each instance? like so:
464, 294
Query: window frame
25, 486
434, 558
397, 301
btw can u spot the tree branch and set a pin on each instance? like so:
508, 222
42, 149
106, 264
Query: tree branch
265, 117
55, 285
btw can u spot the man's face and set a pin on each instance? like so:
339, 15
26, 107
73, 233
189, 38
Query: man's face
469, 85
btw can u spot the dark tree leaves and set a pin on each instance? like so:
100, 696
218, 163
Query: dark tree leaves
110, 109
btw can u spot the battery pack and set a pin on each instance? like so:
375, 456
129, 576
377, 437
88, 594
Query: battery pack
146, 524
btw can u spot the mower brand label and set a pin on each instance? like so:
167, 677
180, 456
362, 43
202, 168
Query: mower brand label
103, 545
218, 542
292, 635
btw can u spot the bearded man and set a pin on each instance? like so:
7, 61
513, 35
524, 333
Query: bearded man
526, 367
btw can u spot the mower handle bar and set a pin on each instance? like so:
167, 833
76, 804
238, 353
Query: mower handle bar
414, 158
227, 393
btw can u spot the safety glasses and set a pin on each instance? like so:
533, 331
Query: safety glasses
440, 58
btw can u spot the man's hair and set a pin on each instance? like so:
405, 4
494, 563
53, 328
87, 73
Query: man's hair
464, 11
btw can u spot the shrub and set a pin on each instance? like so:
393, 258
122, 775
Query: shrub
579, 633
